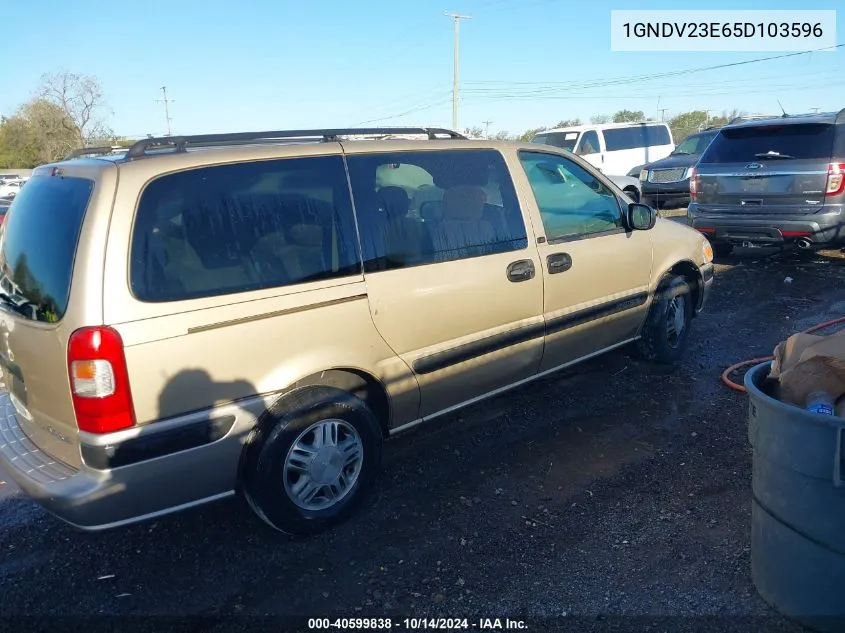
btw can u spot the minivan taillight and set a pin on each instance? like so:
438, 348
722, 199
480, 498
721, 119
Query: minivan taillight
693, 184
835, 179
99, 380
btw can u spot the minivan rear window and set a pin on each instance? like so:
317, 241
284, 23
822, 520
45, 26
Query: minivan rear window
38, 243
771, 142
619, 138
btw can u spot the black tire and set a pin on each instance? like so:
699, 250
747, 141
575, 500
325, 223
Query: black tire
265, 480
660, 342
722, 249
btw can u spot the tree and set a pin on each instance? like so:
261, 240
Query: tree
686, 123
474, 132
39, 132
628, 116
600, 119
503, 135
568, 123
80, 98
527, 135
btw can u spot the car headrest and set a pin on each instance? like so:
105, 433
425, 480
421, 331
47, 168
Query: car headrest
464, 202
306, 235
393, 201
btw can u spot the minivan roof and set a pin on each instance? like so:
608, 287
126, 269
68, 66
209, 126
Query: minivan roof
600, 126
794, 119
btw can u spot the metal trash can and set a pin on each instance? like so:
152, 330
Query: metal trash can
798, 508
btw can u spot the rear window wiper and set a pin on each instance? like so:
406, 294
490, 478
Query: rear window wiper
772, 155
681, 153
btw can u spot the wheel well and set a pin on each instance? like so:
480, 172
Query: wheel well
689, 271
632, 189
356, 382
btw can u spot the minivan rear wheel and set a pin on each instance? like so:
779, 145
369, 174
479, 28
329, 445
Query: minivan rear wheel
314, 462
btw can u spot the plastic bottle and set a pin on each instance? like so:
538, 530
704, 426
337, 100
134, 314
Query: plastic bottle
820, 402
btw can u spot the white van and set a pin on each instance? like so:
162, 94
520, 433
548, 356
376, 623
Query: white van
614, 148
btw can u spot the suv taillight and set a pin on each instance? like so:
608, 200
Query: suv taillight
693, 184
835, 179
99, 380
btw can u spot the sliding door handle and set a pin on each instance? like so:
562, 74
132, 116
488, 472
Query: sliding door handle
558, 263
521, 270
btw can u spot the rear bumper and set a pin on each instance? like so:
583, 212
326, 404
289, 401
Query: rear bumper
149, 484
770, 230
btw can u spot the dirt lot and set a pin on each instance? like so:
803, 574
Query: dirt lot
607, 492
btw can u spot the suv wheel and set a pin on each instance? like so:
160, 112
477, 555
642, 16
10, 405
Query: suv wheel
314, 465
666, 329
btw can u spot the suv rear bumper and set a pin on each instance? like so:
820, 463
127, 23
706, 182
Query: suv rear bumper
149, 486
770, 230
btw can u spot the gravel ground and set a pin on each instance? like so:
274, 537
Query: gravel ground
613, 496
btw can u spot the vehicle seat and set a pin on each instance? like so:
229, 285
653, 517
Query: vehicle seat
463, 224
403, 236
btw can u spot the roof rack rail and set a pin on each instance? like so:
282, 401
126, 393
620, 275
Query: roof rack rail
181, 143
89, 151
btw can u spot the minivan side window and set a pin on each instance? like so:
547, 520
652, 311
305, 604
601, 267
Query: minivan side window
572, 202
589, 143
619, 138
425, 207
234, 228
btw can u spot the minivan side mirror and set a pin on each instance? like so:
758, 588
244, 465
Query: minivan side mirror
641, 217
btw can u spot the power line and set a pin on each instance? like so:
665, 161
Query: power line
456, 20
648, 77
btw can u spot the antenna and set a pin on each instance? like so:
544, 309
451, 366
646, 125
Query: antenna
166, 101
781, 108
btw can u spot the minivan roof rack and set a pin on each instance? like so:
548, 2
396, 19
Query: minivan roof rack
181, 143
88, 151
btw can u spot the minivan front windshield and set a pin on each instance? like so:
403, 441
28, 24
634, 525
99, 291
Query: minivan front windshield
38, 242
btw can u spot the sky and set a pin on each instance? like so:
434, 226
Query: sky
276, 64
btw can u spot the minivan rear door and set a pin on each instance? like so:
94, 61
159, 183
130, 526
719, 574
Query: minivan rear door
775, 168
38, 243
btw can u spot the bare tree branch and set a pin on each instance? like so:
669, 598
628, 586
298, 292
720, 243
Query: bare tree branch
80, 99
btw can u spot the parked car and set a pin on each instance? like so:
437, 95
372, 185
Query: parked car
631, 186
195, 323
4, 208
665, 182
613, 148
10, 189
773, 182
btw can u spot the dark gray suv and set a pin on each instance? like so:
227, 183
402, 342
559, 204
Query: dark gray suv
773, 182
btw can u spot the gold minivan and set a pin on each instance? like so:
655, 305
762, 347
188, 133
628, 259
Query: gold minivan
256, 313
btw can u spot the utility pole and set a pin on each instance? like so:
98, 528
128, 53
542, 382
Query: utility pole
456, 20
166, 101
487, 129
815, 110
662, 114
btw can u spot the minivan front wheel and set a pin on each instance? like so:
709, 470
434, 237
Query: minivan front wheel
666, 330
315, 464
